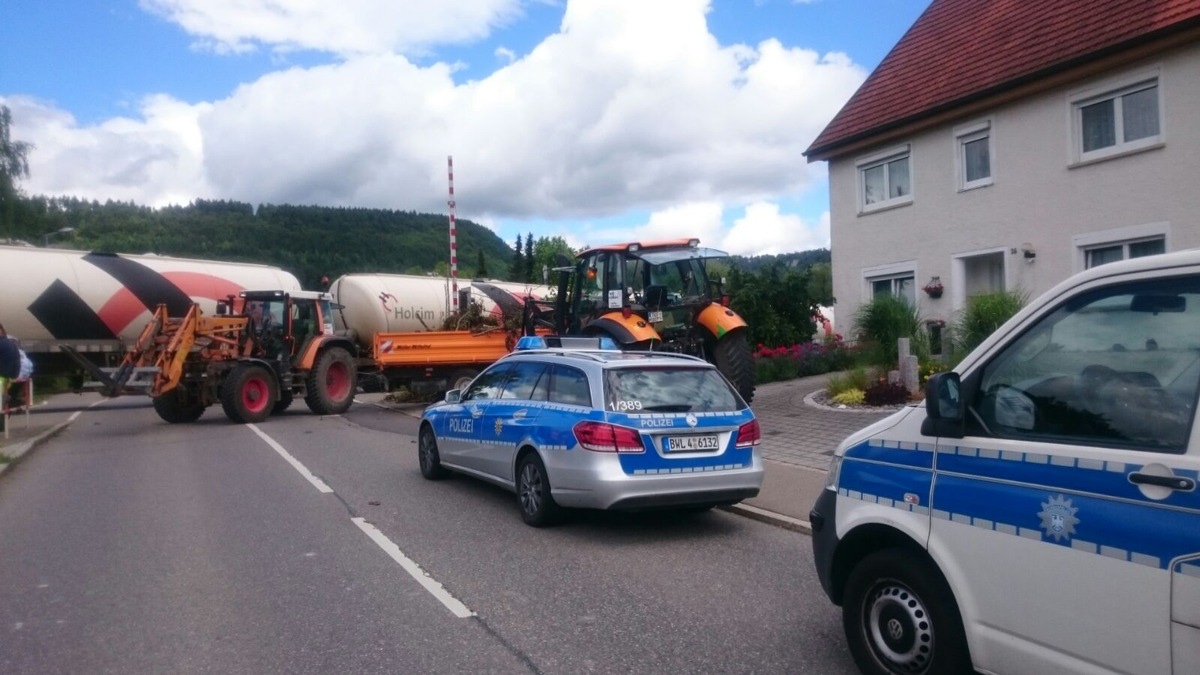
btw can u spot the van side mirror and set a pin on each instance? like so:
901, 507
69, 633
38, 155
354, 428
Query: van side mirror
943, 406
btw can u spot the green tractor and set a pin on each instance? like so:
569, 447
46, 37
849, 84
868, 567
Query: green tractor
652, 296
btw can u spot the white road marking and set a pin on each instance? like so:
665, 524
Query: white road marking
452, 603
317, 482
77, 413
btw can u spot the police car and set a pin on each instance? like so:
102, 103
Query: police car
594, 428
1040, 513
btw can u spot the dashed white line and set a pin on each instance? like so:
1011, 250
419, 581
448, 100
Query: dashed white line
75, 415
317, 482
438, 591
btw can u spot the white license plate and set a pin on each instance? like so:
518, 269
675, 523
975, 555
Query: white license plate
655, 317
691, 443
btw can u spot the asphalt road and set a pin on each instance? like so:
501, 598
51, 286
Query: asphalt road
309, 544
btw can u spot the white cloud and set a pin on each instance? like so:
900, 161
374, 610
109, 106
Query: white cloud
505, 54
764, 229
346, 27
631, 106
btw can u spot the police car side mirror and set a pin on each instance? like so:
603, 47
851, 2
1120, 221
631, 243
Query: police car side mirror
943, 406
454, 396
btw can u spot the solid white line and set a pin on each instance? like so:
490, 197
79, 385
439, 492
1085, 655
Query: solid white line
317, 482
453, 604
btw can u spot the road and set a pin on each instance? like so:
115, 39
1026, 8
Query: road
130, 545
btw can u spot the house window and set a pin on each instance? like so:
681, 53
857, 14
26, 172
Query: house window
1118, 121
898, 285
885, 180
974, 156
1099, 255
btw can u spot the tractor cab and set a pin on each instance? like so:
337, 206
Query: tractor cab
281, 324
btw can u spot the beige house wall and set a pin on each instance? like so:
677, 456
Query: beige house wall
1041, 198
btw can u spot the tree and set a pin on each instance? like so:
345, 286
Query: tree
481, 271
517, 270
14, 165
529, 257
545, 256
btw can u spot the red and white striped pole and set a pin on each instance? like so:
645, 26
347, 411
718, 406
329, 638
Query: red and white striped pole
453, 240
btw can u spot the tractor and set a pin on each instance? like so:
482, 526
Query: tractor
261, 351
652, 296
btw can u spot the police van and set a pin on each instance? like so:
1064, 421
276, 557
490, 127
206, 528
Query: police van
1039, 512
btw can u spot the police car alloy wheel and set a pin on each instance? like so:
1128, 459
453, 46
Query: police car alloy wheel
427, 453
900, 617
538, 507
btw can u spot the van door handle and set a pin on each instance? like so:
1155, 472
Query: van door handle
1173, 482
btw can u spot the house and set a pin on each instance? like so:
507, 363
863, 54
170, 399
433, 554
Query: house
1007, 145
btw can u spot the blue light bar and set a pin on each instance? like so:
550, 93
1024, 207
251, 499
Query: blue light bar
553, 341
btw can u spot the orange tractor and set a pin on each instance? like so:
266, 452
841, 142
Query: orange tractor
652, 296
261, 351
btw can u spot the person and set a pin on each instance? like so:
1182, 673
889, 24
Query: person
10, 364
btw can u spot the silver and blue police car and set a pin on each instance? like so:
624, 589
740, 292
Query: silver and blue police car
568, 427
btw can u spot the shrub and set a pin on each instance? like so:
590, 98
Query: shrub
856, 378
849, 397
880, 323
886, 393
981, 317
772, 364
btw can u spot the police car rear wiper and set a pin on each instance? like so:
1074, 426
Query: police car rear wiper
670, 407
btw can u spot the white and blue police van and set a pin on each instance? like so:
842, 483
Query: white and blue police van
1039, 512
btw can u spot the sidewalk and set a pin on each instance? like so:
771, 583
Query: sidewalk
798, 440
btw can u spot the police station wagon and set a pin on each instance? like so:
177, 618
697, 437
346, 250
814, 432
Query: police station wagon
1040, 513
600, 429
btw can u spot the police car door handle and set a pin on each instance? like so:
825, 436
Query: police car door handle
1173, 482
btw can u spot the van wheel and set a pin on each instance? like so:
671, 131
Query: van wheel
331, 383
900, 617
248, 394
538, 507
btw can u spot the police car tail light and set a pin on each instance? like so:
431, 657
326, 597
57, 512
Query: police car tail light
602, 437
749, 434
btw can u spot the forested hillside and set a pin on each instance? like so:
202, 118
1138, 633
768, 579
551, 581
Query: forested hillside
309, 241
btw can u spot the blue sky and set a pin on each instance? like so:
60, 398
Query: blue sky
597, 120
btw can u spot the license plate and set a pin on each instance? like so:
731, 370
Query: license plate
655, 317
692, 443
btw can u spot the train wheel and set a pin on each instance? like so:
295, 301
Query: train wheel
249, 393
331, 383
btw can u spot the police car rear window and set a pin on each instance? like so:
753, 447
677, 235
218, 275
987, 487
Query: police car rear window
669, 389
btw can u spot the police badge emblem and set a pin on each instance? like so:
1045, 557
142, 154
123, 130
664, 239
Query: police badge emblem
691, 420
1058, 518
499, 426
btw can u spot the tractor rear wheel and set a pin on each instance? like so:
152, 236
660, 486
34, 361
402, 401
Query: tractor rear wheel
177, 407
331, 383
735, 360
249, 393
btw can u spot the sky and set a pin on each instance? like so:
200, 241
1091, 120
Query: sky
595, 120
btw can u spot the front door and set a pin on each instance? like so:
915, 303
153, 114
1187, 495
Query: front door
465, 448
1070, 508
507, 421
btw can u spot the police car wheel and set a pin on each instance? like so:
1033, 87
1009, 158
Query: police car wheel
538, 507
900, 617
427, 454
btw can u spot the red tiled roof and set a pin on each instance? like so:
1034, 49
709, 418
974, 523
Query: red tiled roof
961, 48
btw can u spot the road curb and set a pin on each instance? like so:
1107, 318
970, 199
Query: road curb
770, 518
18, 450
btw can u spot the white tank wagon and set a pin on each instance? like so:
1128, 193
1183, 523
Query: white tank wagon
100, 302
405, 303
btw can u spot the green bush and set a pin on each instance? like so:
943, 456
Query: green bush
880, 323
853, 379
849, 397
981, 317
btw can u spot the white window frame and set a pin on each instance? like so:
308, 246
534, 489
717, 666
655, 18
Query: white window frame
889, 272
1113, 89
1123, 236
967, 134
862, 164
